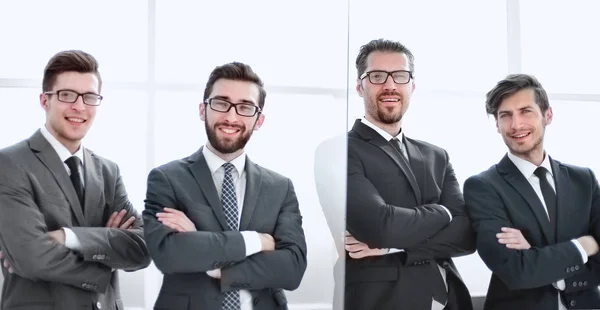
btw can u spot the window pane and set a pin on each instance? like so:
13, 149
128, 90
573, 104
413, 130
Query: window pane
287, 43
284, 144
560, 44
20, 114
114, 31
458, 45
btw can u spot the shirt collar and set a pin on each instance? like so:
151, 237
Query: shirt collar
380, 131
526, 167
60, 149
215, 162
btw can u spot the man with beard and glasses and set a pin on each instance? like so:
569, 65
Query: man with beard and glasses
225, 232
537, 220
406, 216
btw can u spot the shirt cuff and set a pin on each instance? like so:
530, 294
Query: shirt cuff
584, 256
394, 250
215, 273
447, 211
560, 285
252, 242
71, 240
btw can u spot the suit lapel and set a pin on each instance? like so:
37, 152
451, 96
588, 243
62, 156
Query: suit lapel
562, 182
417, 165
94, 186
517, 181
201, 173
371, 136
253, 183
47, 155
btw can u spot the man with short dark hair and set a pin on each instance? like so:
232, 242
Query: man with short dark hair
536, 219
406, 215
66, 224
225, 232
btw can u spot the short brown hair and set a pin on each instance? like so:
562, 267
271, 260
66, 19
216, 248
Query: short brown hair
70, 60
512, 84
236, 71
382, 45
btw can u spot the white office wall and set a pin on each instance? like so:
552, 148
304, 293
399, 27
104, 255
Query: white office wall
462, 48
155, 57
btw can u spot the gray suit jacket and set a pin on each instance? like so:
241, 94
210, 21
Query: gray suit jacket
270, 206
37, 196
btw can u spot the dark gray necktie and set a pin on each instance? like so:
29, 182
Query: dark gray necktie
231, 299
73, 163
397, 144
548, 193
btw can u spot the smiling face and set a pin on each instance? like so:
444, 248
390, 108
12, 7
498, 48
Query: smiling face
385, 104
70, 122
522, 125
229, 132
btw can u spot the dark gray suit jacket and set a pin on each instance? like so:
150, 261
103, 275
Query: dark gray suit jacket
394, 204
270, 206
502, 197
37, 196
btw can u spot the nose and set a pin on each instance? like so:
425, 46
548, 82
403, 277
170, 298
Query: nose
78, 105
516, 122
389, 84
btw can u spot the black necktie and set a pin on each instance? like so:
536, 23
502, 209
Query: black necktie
397, 144
73, 163
548, 193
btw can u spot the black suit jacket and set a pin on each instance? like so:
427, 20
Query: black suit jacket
37, 196
522, 279
391, 204
270, 206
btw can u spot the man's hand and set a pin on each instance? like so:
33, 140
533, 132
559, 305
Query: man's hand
115, 219
267, 242
513, 239
58, 235
589, 244
359, 250
176, 219
5, 263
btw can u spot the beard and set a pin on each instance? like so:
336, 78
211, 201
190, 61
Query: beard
524, 151
228, 146
387, 115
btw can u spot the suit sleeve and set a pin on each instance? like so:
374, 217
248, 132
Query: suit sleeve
518, 269
187, 252
26, 245
381, 225
591, 275
116, 248
457, 238
282, 268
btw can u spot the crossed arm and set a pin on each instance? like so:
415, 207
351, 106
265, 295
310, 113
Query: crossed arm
29, 250
223, 254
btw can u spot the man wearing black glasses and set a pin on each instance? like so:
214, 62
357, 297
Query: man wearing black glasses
406, 215
66, 224
225, 232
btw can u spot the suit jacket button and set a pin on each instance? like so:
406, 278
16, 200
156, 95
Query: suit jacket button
94, 256
584, 283
567, 270
580, 283
572, 303
574, 284
576, 267
98, 305
572, 269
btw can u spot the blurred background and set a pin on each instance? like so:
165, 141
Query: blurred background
155, 57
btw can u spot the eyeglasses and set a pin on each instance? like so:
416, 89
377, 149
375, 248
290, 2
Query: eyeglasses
70, 96
380, 77
242, 109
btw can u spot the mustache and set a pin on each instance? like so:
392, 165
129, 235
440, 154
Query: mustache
389, 93
238, 126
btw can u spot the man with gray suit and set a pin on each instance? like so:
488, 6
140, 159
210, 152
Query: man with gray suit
225, 232
66, 223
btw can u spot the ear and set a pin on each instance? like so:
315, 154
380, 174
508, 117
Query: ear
44, 102
202, 111
259, 121
413, 86
549, 115
359, 88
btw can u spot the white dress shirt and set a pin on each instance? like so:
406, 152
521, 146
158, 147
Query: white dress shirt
71, 240
251, 238
434, 304
527, 168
